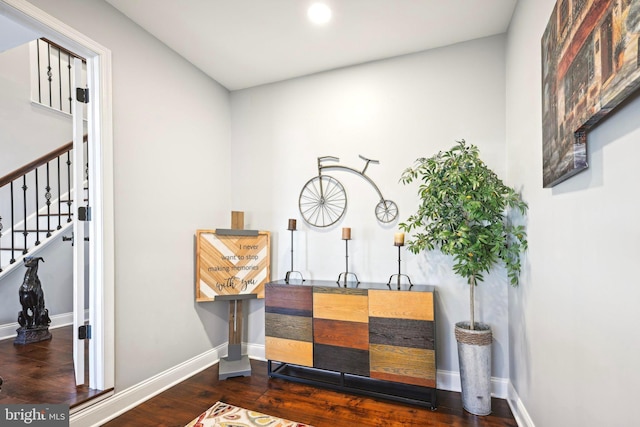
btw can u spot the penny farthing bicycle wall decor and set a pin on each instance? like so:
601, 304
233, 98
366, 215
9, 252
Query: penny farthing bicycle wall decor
323, 199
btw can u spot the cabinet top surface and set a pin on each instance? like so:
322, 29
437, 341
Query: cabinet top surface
353, 285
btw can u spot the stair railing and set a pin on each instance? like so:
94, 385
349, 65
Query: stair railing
54, 70
26, 211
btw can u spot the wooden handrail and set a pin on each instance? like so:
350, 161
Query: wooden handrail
62, 49
36, 163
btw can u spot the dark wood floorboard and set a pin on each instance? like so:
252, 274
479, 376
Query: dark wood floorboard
42, 372
319, 407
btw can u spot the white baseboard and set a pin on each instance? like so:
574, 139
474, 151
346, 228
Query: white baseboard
108, 409
446, 380
450, 381
100, 412
8, 330
254, 351
517, 408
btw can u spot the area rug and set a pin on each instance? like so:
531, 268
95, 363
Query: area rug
224, 415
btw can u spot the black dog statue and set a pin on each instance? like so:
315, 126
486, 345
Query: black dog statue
34, 317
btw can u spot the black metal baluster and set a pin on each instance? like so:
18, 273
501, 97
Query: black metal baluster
39, 72
49, 74
47, 197
37, 211
70, 88
13, 228
60, 77
86, 170
69, 184
24, 206
59, 197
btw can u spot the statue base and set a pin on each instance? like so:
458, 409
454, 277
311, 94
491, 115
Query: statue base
31, 335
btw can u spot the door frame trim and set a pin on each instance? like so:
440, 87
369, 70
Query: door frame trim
100, 131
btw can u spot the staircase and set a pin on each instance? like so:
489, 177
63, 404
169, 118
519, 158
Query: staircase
36, 205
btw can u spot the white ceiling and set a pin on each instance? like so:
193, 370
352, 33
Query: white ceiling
13, 34
244, 43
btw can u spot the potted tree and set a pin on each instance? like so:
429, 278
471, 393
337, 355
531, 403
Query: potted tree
463, 212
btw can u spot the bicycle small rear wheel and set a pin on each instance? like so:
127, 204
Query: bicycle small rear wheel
386, 211
322, 201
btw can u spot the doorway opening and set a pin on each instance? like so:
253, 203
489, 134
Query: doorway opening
100, 367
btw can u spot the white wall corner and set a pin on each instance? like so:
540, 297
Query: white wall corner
108, 409
517, 407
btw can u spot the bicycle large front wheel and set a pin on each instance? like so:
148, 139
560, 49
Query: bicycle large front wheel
322, 201
386, 211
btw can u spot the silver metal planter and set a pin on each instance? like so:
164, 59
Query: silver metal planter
474, 356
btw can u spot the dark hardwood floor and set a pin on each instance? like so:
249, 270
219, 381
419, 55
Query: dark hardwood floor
42, 372
319, 407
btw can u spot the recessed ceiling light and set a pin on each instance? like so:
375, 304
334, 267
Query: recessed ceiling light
319, 13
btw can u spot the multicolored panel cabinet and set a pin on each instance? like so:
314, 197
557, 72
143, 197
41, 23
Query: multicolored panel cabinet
367, 339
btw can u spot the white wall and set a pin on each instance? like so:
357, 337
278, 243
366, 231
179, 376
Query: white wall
573, 336
171, 155
393, 111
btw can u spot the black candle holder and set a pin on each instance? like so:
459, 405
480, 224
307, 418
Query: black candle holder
287, 277
399, 275
345, 274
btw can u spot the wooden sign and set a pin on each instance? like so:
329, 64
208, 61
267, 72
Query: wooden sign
231, 262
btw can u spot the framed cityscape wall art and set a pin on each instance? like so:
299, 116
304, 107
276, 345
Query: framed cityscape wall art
590, 64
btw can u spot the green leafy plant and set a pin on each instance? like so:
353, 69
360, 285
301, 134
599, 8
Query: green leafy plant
463, 212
